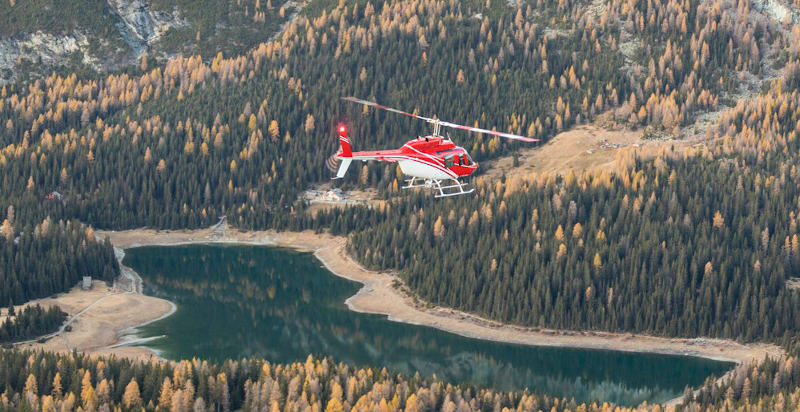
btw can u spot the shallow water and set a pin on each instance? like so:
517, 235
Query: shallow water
280, 304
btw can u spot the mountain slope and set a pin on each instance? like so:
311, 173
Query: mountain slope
38, 36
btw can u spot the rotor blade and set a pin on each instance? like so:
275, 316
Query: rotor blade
380, 106
491, 132
442, 123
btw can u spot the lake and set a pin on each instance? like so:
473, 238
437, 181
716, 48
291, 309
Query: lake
282, 305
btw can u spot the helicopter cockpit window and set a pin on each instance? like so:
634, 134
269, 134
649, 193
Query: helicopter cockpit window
448, 161
465, 160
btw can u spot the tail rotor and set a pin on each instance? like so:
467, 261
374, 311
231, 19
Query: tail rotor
333, 163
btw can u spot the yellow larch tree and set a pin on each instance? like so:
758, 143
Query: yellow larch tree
132, 396
719, 221
7, 230
165, 396
559, 233
597, 262
273, 129
577, 230
438, 228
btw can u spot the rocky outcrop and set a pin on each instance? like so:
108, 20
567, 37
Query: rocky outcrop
38, 47
140, 26
778, 11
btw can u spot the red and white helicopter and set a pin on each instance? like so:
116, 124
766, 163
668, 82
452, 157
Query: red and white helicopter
431, 159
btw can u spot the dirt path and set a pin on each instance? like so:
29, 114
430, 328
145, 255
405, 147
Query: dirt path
69, 321
102, 320
378, 295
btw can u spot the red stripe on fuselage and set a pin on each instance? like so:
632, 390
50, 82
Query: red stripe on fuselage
409, 152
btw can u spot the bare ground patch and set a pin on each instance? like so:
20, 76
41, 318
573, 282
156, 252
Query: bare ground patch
101, 315
354, 197
582, 148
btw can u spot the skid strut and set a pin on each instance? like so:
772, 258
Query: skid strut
455, 189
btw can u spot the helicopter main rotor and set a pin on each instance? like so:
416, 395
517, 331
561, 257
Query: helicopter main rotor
437, 124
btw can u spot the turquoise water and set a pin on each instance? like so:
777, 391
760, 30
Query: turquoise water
240, 301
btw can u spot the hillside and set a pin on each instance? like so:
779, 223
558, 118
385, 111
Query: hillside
255, 128
97, 36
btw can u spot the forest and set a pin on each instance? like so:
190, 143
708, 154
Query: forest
683, 245
696, 241
31, 322
50, 257
200, 137
51, 382
95, 37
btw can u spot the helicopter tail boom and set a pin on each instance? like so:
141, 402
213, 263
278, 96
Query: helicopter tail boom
346, 154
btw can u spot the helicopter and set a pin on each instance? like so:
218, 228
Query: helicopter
431, 161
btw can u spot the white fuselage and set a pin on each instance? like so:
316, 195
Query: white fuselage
423, 170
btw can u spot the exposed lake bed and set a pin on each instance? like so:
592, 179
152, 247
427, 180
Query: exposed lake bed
236, 301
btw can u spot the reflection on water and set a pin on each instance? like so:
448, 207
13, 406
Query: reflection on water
238, 301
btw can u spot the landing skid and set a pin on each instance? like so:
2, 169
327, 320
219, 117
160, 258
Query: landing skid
444, 191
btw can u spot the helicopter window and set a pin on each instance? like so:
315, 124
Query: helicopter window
466, 160
448, 161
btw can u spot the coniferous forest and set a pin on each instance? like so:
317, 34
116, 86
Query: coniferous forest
696, 245
176, 146
686, 242
40, 260
31, 322
47, 381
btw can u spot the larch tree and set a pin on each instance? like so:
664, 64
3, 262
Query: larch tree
438, 228
132, 398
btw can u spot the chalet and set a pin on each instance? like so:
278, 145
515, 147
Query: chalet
335, 195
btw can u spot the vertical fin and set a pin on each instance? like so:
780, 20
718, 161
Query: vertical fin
345, 153
344, 141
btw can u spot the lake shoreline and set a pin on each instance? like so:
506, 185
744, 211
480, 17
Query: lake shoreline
102, 321
378, 295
